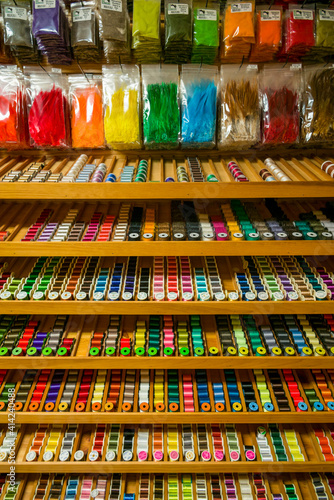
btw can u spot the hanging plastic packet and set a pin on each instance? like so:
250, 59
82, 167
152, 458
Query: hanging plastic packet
198, 90
205, 32
48, 109
240, 110
178, 31
146, 30
161, 113
238, 31
85, 33
268, 33
121, 97
5, 54
51, 29
86, 111
318, 105
280, 89
323, 49
13, 110
299, 30
17, 31
115, 30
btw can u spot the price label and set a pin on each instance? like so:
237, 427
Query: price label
304, 15
115, 5
83, 14
241, 7
16, 13
206, 15
45, 4
326, 15
270, 15
178, 8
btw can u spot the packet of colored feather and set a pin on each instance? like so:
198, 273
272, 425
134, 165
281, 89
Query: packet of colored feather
280, 88
48, 109
161, 112
205, 32
85, 31
86, 111
199, 89
238, 31
115, 30
18, 37
318, 105
240, 110
121, 100
268, 33
13, 111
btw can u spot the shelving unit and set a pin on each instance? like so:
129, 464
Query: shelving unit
308, 181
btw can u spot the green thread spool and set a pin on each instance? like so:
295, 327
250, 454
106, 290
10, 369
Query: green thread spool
199, 351
17, 351
3, 351
62, 351
47, 351
32, 351
94, 351
110, 351
184, 351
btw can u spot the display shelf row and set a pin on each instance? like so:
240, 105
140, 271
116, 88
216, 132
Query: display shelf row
174, 280
154, 393
250, 486
169, 222
302, 167
155, 342
178, 445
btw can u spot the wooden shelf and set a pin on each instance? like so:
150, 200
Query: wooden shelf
157, 362
166, 467
167, 191
153, 307
170, 418
170, 248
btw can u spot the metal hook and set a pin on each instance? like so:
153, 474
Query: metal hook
82, 71
206, 5
120, 63
46, 71
302, 6
242, 62
15, 3
271, 4
287, 60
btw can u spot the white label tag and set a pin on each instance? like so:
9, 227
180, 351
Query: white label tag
326, 15
56, 70
206, 15
83, 14
45, 4
241, 7
115, 5
16, 13
270, 15
178, 8
306, 15
295, 67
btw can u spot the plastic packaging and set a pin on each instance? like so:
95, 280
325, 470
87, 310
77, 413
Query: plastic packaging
85, 34
51, 29
298, 32
161, 112
146, 30
48, 109
115, 31
121, 97
86, 111
318, 105
17, 30
13, 111
238, 30
325, 26
240, 110
280, 89
178, 31
205, 32
198, 90
268, 33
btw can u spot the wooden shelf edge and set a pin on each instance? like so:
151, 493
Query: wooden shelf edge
164, 467
167, 191
154, 363
161, 308
169, 418
169, 248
